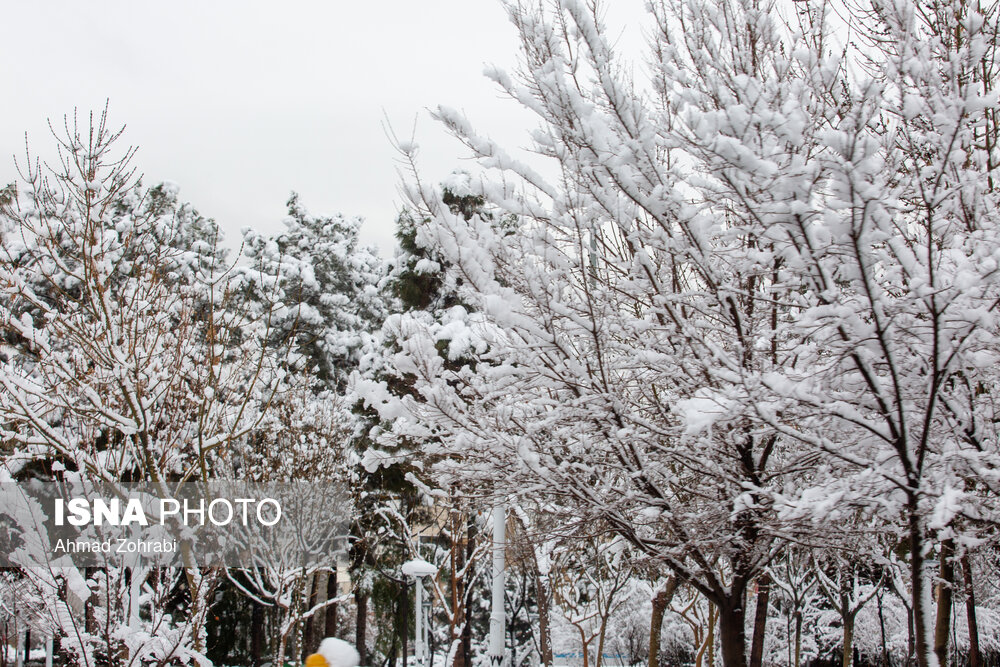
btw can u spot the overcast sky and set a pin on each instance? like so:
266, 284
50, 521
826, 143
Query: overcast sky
242, 102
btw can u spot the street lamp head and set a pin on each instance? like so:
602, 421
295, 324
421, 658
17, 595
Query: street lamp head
419, 568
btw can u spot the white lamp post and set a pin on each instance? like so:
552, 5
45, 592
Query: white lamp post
498, 619
418, 569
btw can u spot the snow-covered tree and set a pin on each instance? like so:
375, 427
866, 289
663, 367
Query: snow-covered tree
328, 283
592, 578
849, 581
125, 360
596, 335
399, 481
795, 583
759, 289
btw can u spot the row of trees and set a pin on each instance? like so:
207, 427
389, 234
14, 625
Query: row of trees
751, 310
730, 365
136, 349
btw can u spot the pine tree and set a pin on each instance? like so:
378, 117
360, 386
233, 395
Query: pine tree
418, 287
328, 284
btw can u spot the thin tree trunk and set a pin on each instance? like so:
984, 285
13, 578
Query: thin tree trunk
732, 633
881, 625
544, 634
256, 633
470, 541
975, 658
945, 592
309, 640
404, 617
910, 640
599, 658
798, 637
279, 654
702, 644
760, 620
457, 594
789, 643
330, 620
919, 595
361, 627
660, 603
201, 587
89, 615
330, 623
296, 639
848, 639
713, 616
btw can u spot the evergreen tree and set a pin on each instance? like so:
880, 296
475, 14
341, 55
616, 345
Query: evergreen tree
419, 287
329, 286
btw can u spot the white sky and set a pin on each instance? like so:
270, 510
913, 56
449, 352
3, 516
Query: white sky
242, 102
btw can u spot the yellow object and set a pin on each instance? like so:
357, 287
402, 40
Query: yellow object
316, 660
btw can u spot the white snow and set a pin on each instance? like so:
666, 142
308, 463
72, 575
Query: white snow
338, 653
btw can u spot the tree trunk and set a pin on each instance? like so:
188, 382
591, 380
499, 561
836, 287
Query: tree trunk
945, 590
660, 603
848, 639
798, 637
456, 627
466, 649
975, 658
201, 587
296, 639
732, 633
279, 652
881, 625
544, 634
404, 616
713, 615
599, 657
330, 620
361, 627
910, 641
760, 620
309, 639
919, 595
89, 615
470, 541
256, 633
